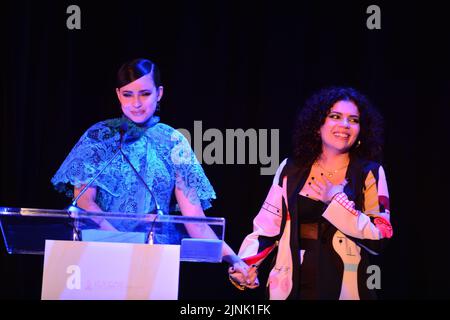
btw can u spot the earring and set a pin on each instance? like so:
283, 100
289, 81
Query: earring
358, 143
158, 107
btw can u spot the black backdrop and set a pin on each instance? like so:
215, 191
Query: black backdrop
231, 64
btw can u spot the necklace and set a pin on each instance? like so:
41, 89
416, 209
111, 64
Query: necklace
333, 172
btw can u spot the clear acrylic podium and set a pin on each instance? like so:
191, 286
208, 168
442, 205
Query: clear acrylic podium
138, 244
25, 231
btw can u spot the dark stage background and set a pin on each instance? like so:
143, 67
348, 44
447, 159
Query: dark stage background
232, 64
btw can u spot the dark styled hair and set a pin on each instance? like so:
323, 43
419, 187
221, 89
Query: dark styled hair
134, 69
307, 143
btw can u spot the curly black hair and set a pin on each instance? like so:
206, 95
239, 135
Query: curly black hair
307, 143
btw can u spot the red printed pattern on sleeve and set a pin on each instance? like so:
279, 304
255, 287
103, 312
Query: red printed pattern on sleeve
384, 226
342, 199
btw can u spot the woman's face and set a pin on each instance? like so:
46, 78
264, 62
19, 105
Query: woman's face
341, 127
139, 98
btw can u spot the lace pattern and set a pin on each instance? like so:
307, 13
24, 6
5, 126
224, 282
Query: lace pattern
161, 155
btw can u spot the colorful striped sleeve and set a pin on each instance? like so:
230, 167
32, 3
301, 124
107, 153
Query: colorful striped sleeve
266, 225
371, 225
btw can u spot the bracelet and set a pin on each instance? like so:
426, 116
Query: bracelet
236, 284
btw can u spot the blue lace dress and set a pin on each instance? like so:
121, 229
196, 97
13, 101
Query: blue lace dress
161, 155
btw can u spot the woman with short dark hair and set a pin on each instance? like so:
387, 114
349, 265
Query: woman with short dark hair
155, 157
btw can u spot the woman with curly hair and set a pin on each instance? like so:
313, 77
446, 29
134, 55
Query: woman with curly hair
328, 207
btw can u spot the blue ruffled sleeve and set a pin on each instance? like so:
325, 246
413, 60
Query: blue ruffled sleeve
189, 175
91, 152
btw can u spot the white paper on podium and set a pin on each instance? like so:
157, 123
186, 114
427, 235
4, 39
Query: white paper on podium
110, 271
113, 236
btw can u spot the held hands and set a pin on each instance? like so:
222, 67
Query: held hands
243, 276
323, 189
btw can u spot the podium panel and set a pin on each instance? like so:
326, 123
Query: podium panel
110, 271
25, 231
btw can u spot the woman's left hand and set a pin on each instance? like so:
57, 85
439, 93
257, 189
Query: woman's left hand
244, 275
323, 189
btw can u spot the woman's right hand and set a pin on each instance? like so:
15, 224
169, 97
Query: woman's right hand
324, 190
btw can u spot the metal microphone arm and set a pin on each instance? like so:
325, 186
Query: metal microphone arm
73, 208
158, 208
73, 205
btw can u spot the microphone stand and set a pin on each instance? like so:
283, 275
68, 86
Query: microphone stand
158, 208
73, 208
73, 205
149, 237
159, 212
